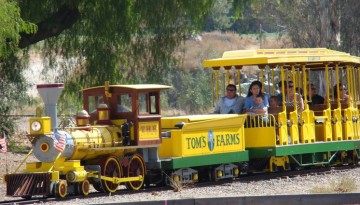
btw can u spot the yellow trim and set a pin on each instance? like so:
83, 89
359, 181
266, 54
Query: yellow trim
116, 180
45, 125
279, 162
46, 148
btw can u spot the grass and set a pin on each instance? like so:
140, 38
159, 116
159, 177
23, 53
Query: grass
18, 147
346, 184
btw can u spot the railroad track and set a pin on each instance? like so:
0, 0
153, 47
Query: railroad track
294, 173
242, 178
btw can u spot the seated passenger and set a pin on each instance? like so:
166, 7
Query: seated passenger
231, 103
289, 95
254, 90
299, 90
258, 106
344, 98
274, 101
315, 98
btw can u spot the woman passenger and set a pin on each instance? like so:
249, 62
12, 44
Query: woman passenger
344, 98
255, 90
289, 95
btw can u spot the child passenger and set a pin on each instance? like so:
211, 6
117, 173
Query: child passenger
259, 106
274, 101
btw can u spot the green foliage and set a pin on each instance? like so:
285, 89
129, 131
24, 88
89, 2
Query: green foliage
12, 89
192, 91
15, 147
219, 17
12, 83
11, 24
330, 24
120, 41
130, 41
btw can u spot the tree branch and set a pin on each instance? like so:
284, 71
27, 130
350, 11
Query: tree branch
64, 19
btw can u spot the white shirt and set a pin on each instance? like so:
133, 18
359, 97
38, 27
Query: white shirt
229, 102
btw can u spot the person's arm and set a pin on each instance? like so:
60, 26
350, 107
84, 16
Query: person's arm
259, 111
266, 100
248, 105
218, 106
301, 102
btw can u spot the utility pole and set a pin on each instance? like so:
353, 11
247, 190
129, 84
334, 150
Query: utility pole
260, 36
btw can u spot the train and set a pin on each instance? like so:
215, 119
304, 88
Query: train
121, 138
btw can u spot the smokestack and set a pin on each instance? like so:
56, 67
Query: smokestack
50, 94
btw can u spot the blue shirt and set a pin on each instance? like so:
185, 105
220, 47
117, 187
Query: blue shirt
249, 102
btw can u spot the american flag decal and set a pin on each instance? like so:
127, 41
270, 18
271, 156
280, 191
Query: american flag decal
59, 145
3, 145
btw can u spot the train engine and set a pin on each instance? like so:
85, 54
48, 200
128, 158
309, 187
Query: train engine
114, 141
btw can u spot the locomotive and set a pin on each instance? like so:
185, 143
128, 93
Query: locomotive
120, 137
116, 140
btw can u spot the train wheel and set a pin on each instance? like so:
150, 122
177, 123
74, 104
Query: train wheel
135, 168
61, 189
84, 187
212, 175
111, 168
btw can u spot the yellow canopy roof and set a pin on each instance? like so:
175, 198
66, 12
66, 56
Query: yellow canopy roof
135, 87
307, 56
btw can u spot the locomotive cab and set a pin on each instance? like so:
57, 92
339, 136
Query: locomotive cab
136, 108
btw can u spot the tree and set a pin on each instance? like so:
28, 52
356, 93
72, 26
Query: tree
12, 88
114, 40
316, 23
130, 41
331, 24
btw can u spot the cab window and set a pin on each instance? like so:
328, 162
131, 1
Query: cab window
143, 109
153, 103
94, 102
124, 103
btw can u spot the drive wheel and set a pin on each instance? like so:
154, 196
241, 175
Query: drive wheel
111, 168
136, 167
61, 189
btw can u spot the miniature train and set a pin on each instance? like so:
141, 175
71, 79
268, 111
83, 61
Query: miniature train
120, 137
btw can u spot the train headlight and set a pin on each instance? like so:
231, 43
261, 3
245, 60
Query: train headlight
35, 126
